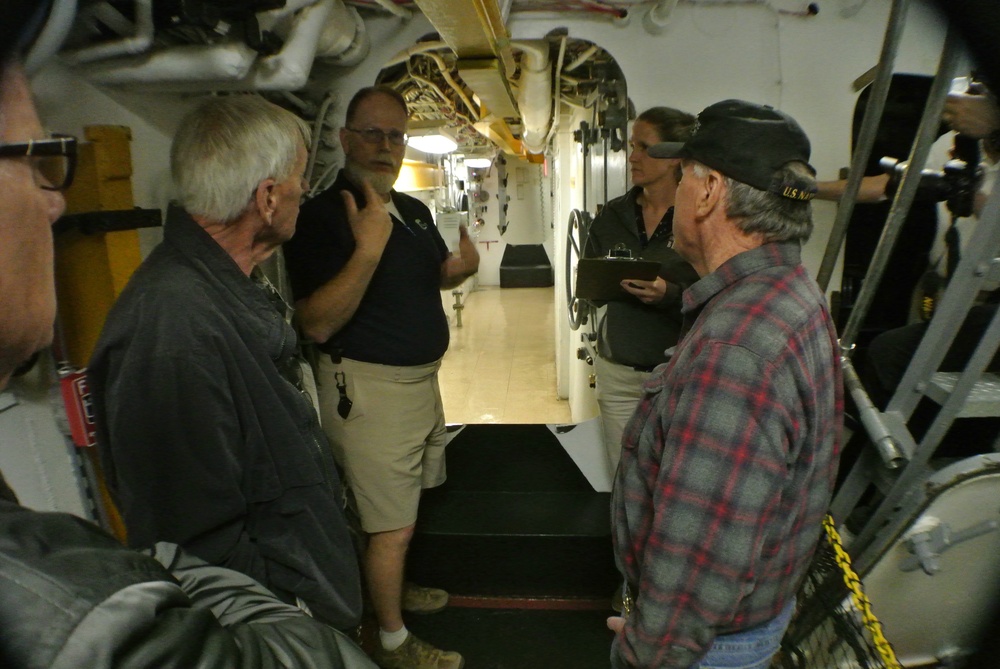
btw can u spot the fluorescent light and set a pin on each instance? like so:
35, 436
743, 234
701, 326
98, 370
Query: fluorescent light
478, 162
432, 143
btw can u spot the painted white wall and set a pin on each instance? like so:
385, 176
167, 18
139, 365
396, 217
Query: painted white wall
803, 66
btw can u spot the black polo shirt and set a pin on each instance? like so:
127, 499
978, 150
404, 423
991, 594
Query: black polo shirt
400, 320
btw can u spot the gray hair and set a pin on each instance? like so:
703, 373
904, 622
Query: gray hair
775, 218
226, 147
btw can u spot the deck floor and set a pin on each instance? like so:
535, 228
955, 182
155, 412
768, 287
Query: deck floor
501, 365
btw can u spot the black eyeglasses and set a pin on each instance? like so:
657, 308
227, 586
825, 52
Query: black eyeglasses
54, 159
375, 135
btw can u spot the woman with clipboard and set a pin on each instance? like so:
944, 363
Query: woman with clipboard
635, 330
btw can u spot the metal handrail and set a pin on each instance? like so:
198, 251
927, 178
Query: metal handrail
926, 135
866, 140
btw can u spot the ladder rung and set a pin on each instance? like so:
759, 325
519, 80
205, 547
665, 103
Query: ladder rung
983, 401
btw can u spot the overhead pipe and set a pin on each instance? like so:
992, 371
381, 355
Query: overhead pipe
582, 58
418, 48
556, 93
136, 44
446, 74
394, 9
57, 27
232, 66
658, 16
198, 64
428, 49
338, 43
534, 95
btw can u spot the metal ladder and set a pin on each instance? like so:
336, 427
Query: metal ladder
898, 464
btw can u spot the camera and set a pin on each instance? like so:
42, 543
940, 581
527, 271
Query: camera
956, 184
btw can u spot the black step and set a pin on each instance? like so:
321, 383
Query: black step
519, 639
515, 518
525, 266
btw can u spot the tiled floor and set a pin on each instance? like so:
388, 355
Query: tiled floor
500, 366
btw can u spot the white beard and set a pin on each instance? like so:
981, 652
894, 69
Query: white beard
381, 182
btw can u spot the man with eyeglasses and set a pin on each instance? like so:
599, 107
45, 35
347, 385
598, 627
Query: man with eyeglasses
367, 291
71, 595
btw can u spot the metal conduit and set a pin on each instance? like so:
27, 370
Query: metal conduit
879, 433
907, 190
866, 140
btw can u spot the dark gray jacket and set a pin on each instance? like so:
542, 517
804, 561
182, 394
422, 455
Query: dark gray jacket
632, 333
206, 442
72, 597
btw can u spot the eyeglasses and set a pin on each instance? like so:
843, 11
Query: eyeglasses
54, 159
375, 136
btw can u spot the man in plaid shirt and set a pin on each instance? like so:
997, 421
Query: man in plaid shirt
729, 461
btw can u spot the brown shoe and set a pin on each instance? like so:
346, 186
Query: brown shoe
417, 654
418, 599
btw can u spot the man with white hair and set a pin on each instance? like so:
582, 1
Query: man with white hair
206, 436
729, 461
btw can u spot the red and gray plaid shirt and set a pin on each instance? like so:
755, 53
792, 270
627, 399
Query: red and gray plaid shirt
729, 461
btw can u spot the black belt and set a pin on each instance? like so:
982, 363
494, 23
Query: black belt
646, 369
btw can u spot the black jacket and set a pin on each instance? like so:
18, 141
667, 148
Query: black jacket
72, 597
205, 442
633, 333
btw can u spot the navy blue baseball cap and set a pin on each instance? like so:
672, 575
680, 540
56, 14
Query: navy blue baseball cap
746, 142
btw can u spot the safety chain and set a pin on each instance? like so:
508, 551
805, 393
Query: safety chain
861, 601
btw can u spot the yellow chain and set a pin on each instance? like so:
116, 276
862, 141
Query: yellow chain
861, 601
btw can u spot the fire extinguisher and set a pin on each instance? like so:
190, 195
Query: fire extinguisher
79, 407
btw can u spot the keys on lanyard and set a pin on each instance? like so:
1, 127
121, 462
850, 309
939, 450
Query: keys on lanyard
345, 403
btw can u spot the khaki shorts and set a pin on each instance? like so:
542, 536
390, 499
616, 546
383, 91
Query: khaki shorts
391, 446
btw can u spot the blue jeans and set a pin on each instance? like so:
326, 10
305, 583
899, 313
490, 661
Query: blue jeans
750, 649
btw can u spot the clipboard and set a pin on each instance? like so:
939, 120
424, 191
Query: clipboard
600, 279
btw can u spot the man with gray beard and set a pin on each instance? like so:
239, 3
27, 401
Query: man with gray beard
366, 276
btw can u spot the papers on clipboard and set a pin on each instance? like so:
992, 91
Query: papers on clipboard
600, 279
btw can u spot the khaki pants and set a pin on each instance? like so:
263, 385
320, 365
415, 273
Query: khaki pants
618, 391
391, 445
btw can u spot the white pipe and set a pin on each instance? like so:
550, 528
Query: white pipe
534, 95
420, 47
582, 58
272, 16
190, 62
56, 28
393, 8
289, 68
556, 93
110, 17
446, 75
658, 16
138, 43
344, 40
317, 132
225, 67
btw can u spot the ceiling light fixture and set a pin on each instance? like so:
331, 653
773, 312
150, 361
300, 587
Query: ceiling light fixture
478, 162
432, 143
